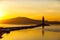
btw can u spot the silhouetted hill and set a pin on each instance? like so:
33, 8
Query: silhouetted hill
24, 20
20, 20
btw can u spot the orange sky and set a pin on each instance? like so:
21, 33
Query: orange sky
34, 9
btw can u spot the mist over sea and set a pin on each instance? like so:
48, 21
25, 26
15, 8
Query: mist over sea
51, 33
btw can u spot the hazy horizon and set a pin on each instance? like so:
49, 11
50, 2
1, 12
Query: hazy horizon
27, 19
33, 9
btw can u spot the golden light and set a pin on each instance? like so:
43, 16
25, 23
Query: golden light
1, 15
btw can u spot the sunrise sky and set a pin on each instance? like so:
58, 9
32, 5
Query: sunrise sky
33, 9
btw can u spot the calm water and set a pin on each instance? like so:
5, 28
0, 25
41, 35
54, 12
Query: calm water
51, 33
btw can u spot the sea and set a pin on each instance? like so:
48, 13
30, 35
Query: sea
51, 32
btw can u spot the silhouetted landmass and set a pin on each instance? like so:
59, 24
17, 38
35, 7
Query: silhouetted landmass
24, 20
20, 20
55, 22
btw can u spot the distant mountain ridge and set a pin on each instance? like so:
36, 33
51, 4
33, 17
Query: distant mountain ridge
20, 20
24, 20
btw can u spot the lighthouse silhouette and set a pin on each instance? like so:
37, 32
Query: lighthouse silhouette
43, 24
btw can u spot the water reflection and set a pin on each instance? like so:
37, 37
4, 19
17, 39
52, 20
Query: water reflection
34, 34
29, 34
